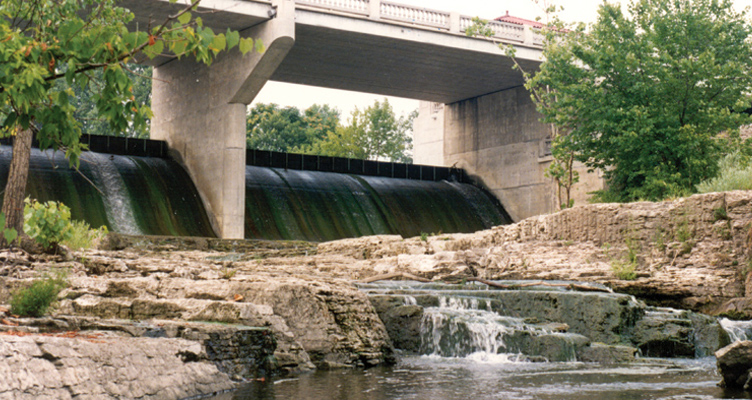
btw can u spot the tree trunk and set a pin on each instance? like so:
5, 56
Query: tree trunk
15, 189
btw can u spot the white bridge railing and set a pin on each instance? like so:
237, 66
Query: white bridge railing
423, 17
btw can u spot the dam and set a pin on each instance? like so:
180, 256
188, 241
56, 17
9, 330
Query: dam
132, 186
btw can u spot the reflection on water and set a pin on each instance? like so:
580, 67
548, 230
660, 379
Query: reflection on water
436, 378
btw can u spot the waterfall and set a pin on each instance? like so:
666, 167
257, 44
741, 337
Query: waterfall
117, 201
737, 330
459, 327
128, 194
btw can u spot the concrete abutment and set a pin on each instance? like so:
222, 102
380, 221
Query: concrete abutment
499, 139
200, 111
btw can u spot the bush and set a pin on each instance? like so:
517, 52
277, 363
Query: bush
735, 173
35, 300
83, 237
47, 223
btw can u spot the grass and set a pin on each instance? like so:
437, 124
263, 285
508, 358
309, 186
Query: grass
83, 237
734, 174
35, 300
624, 270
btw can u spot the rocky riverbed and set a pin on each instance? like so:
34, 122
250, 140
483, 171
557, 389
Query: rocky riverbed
214, 312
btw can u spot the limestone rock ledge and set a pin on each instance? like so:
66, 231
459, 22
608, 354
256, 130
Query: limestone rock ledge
44, 367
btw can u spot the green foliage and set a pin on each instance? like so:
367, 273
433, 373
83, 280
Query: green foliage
35, 300
82, 236
735, 173
275, 128
45, 41
47, 223
9, 234
424, 236
684, 236
374, 133
644, 97
86, 112
228, 273
561, 169
659, 238
720, 213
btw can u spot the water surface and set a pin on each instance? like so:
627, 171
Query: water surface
484, 377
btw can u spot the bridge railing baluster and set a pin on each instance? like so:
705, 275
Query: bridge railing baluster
384, 10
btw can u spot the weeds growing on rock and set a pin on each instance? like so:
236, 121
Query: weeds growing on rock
228, 273
684, 236
720, 213
624, 270
35, 300
659, 238
83, 237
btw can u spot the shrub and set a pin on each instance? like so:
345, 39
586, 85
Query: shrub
624, 270
35, 300
47, 223
83, 237
734, 174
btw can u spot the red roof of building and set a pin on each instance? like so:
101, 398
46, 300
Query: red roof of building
519, 21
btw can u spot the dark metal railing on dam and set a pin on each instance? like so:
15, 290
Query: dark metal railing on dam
121, 146
341, 165
133, 186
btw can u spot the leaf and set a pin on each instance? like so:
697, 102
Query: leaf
260, 46
185, 18
233, 37
219, 43
245, 45
10, 234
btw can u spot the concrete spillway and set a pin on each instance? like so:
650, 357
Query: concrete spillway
128, 194
319, 206
136, 194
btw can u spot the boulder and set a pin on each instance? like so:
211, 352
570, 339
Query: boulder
607, 354
735, 365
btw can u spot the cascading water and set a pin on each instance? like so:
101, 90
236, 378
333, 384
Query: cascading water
737, 330
321, 206
117, 202
459, 328
501, 331
128, 194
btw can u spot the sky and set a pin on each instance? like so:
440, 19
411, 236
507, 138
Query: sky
304, 96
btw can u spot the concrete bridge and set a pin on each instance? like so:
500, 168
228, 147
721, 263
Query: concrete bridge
369, 46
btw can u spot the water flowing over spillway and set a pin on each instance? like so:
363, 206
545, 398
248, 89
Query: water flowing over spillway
155, 196
128, 194
320, 206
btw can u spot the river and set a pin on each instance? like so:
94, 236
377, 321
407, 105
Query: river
480, 378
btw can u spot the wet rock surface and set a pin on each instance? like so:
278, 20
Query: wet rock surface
735, 365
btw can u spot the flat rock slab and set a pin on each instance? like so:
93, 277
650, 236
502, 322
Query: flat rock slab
98, 366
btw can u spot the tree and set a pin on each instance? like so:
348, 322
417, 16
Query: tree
374, 133
275, 128
86, 110
644, 97
44, 41
556, 35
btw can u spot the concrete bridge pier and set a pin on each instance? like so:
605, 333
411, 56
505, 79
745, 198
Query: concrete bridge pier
200, 111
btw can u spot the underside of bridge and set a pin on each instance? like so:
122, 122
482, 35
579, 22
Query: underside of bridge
200, 110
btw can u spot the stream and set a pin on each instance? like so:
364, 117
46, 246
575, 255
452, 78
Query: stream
469, 341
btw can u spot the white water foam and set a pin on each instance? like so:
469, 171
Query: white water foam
737, 330
117, 203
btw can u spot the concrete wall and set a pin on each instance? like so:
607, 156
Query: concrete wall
499, 139
428, 134
200, 111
